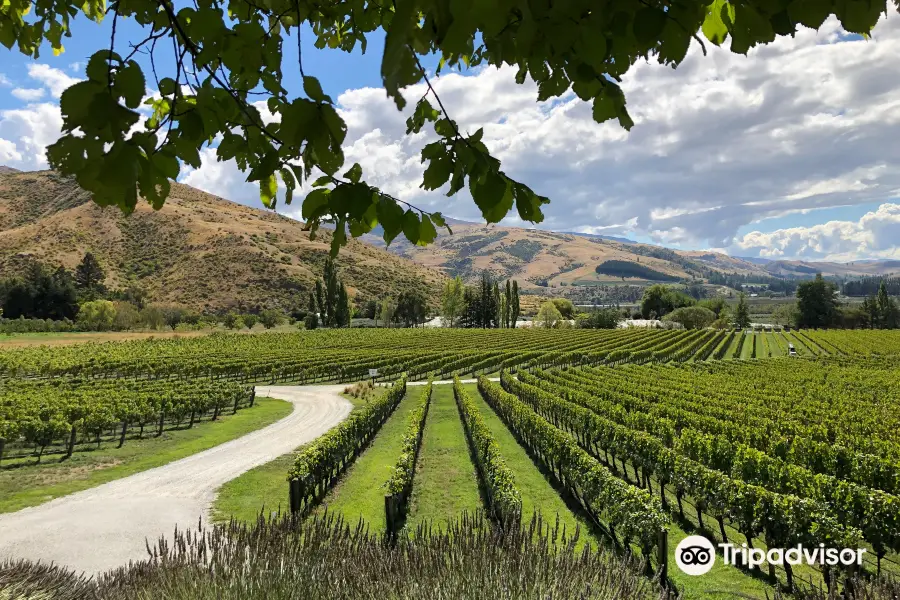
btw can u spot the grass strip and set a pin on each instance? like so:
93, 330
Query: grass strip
446, 484
537, 493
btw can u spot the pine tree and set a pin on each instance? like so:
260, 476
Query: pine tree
870, 309
320, 302
342, 308
89, 277
332, 291
516, 309
742, 313
507, 305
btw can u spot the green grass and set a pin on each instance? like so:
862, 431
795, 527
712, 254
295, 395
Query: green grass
747, 349
731, 352
538, 494
446, 483
359, 494
23, 485
263, 487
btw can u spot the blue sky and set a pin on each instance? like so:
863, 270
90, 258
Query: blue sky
786, 153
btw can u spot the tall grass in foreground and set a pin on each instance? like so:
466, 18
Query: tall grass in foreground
325, 558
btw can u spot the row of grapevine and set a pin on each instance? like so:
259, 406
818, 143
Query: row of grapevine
503, 498
623, 508
63, 414
817, 456
399, 485
783, 519
875, 513
319, 465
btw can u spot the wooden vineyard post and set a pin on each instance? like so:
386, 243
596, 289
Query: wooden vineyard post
663, 557
294, 495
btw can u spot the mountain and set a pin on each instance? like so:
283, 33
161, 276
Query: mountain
199, 250
539, 258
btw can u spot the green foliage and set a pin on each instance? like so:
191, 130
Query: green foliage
227, 54
817, 304
659, 300
400, 482
742, 313
624, 268
233, 321
270, 318
249, 320
97, 315
548, 316
453, 300
503, 497
39, 294
692, 317
565, 307
411, 307
606, 318
311, 321
320, 462
89, 278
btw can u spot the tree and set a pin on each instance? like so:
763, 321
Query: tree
97, 315
239, 54
172, 315
817, 303
320, 303
270, 318
89, 277
39, 294
786, 314
691, 317
411, 307
605, 318
888, 312
453, 301
870, 308
388, 308
332, 291
233, 321
311, 321
548, 316
718, 305
507, 305
250, 320
516, 308
660, 299
565, 307
342, 308
742, 312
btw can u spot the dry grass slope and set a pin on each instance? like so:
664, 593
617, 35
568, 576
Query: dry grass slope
199, 250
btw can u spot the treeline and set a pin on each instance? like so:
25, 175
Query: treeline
624, 268
739, 282
489, 304
871, 286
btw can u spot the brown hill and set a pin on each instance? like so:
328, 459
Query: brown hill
539, 258
199, 250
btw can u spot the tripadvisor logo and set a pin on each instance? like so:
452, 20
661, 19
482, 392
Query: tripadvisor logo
696, 555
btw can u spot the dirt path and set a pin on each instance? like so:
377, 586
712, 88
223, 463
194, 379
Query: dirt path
106, 526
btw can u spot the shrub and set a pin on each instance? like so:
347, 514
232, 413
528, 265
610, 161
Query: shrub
691, 317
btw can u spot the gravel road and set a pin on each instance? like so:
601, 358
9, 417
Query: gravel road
106, 526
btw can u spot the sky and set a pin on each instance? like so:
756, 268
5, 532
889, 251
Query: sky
789, 152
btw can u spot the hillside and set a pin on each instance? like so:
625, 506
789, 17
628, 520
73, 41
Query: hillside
537, 257
199, 250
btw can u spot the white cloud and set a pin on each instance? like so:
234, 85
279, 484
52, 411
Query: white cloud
28, 94
53, 79
875, 235
26, 133
805, 123
4, 81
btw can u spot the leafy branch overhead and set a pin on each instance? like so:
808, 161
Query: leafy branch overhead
226, 59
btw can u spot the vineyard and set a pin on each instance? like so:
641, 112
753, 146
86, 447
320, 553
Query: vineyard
633, 438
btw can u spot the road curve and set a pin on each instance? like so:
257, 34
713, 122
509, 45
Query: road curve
106, 526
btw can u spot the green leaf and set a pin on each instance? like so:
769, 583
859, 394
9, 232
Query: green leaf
166, 86
811, 13
438, 172
398, 66
427, 232
268, 188
323, 180
130, 84
439, 220
648, 25
290, 184
354, 174
493, 196
390, 215
411, 226
166, 164
75, 103
714, 27
313, 89
339, 237
315, 205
